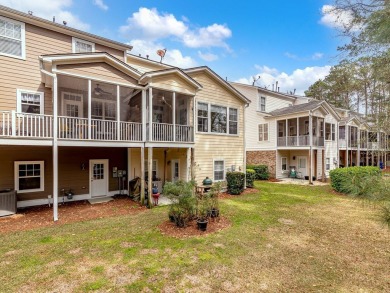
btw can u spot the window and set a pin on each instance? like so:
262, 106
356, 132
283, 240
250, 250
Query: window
203, 117
342, 132
284, 164
103, 109
330, 131
81, 46
12, 38
333, 132
327, 164
219, 170
263, 132
261, 104
29, 176
154, 170
233, 120
30, 102
218, 119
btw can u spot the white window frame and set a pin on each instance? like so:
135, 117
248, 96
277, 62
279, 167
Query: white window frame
22, 38
260, 105
223, 170
281, 166
146, 167
16, 175
327, 164
19, 93
228, 120
209, 119
74, 40
79, 103
258, 136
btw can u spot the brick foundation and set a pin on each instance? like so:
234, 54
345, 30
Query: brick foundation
263, 158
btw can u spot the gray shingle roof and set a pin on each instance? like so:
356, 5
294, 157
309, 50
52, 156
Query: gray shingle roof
296, 108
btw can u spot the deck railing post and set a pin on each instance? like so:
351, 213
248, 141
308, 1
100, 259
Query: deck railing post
13, 123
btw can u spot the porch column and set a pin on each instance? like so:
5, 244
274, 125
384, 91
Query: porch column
173, 115
346, 145
143, 115
118, 114
188, 163
89, 108
323, 166
367, 142
286, 132
142, 176
358, 149
55, 148
150, 178
337, 142
297, 131
310, 148
150, 114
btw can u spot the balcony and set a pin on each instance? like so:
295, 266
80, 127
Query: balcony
298, 141
35, 126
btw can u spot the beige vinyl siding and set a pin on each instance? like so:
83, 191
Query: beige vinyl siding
331, 150
173, 82
98, 70
114, 52
25, 74
145, 65
209, 147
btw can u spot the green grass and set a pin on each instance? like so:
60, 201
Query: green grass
283, 238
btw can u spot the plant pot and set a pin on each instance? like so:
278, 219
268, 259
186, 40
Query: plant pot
171, 218
214, 213
180, 222
202, 224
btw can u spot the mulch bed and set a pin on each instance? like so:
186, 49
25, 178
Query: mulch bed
42, 216
246, 191
274, 180
215, 224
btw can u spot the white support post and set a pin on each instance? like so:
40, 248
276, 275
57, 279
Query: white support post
143, 107
55, 148
310, 148
346, 145
150, 114
174, 115
286, 129
118, 114
188, 165
13, 123
89, 108
358, 148
150, 178
142, 176
297, 131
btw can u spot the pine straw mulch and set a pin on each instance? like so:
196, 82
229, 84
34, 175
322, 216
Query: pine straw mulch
215, 224
70, 212
224, 195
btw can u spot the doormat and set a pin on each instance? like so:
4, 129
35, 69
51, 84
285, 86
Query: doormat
100, 200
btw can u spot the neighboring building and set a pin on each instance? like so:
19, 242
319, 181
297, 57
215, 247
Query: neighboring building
76, 110
288, 132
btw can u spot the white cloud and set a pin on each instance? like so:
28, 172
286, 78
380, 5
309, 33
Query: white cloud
207, 56
172, 57
152, 25
47, 9
339, 19
101, 4
266, 69
299, 79
315, 56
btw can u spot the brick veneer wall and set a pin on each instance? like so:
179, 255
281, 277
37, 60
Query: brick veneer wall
263, 158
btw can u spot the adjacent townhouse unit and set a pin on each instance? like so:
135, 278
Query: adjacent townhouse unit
288, 132
78, 112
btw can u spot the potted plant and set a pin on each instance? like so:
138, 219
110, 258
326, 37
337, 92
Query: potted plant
203, 207
214, 199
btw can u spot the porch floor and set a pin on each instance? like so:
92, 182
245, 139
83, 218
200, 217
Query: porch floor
70, 212
299, 181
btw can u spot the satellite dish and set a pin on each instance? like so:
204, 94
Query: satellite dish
161, 53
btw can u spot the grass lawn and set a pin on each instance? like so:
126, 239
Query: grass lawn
287, 238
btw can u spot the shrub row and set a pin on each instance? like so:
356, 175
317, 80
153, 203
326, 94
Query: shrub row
261, 171
347, 180
250, 177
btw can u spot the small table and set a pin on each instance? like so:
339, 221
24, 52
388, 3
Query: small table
201, 189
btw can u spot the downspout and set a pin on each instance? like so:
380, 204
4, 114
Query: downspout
244, 138
311, 147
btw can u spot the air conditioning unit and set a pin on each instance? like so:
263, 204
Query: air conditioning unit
7, 202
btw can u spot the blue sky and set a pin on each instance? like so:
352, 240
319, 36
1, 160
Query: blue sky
292, 42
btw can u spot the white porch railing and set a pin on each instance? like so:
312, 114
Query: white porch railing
103, 129
184, 133
165, 132
162, 132
28, 125
302, 140
72, 128
130, 131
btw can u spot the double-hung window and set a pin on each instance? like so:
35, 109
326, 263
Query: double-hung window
12, 38
327, 164
233, 120
284, 164
29, 176
261, 103
81, 46
330, 131
30, 102
203, 119
219, 170
263, 132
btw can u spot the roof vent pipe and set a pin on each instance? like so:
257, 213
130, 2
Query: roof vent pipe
54, 19
278, 88
276, 85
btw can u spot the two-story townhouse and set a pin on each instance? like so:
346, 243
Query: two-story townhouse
288, 132
79, 113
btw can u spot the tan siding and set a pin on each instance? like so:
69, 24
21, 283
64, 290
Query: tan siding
209, 146
114, 52
143, 65
98, 70
173, 83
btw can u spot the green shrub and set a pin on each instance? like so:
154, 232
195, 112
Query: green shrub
250, 177
354, 180
235, 182
385, 213
262, 172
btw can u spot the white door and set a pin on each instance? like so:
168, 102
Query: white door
72, 105
98, 172
302, 166
175, 170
